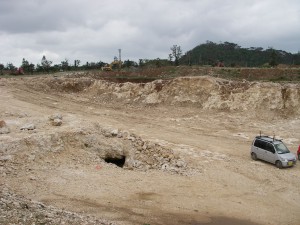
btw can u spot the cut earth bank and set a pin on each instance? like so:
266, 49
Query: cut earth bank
181, 147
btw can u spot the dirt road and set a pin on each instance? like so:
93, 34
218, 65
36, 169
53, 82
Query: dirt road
218, 184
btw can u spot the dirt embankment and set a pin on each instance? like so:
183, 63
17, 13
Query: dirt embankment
165, 152
204, 92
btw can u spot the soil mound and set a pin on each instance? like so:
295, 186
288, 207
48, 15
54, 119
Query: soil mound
204, 92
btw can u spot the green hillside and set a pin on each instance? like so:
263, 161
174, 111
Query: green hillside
232, 54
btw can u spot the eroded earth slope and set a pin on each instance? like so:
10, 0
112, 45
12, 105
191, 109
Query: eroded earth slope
165, 152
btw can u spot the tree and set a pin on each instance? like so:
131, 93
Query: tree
10, 67
1, 69
151, 63
76, 63
65, 65
25, 65
141, 62
176, 53
170, 58
46, 64
31, 68
128, 63
100, 64
273, 60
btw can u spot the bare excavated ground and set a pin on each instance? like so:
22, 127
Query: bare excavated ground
182, 148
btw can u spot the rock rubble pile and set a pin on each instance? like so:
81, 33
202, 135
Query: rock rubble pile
17, 210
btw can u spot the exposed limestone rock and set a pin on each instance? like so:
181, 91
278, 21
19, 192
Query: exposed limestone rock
29, 126
56, 122
56, 119
107, 143
115, 132
55, 116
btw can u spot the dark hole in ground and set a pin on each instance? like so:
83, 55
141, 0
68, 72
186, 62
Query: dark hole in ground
117, 161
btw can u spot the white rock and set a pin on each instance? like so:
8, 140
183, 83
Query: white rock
180, 163
56, 116
30, 126
57, 122
115, 132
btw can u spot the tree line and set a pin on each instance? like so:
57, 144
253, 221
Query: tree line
209, 53
46, 66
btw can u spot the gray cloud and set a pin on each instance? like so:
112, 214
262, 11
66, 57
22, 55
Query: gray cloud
94, 30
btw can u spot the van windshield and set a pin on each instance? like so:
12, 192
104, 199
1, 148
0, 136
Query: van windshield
281, 148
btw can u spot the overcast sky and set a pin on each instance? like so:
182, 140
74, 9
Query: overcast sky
94, 30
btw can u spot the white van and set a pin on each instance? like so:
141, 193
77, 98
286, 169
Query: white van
273, 151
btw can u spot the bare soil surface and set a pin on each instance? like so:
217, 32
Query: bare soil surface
185, 142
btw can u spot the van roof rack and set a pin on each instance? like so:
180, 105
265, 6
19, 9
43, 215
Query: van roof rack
268, 138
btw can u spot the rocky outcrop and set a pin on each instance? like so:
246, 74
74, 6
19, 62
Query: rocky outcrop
204, 92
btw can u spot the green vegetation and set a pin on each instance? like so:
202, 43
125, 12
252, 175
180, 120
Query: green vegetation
175, 54
226, 55
233, 55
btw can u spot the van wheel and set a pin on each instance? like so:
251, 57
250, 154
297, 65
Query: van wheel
278, 164
253, 156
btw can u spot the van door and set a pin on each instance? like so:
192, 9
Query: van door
270, 155
259, 149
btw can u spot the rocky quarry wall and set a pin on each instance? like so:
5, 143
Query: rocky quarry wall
204, 92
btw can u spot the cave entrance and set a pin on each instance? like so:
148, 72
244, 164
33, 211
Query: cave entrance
117, 161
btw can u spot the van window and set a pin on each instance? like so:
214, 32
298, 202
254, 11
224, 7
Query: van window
257, 143
270, 147
260, 144
281, 148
